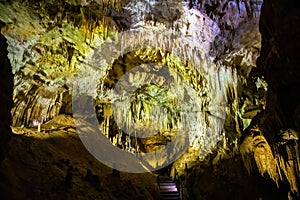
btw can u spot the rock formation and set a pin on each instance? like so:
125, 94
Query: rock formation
6, 85
273, 137
214, 81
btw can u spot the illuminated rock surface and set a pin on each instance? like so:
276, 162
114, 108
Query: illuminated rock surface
156, 71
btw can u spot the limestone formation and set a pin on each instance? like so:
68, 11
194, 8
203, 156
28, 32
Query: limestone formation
214, 81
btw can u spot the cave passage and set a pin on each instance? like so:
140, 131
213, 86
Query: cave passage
175, 99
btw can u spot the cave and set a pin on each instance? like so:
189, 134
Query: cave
149, 99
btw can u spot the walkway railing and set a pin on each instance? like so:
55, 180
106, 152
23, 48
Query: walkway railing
180, 182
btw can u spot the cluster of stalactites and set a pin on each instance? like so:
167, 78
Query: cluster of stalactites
95, 17
281, 165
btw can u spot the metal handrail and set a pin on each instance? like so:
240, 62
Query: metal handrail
180, 184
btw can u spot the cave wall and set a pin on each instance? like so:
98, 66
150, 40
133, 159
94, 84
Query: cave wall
6, 90
52, 45
47, 43
279, 62
269, 147
41, 82
58, 44
273, 137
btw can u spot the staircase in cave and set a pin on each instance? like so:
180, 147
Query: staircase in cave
167, 187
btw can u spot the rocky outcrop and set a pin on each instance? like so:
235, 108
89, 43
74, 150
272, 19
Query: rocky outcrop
273, 137
47, 47
269, 147
6, 85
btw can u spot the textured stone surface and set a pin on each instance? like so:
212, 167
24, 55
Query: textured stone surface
274, 136
71, 41
46, 48
6, 85
212, 45
269, 146
53, 164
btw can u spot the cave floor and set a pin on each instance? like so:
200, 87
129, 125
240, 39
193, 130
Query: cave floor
53, 164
